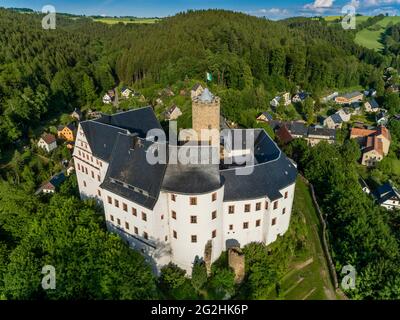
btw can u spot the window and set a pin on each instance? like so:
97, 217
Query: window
134, 212
116, 203
258, 223
283, 210
214, 234
86, 171
231, 209
112, 218
91, 158
173, 214
214, 197
286, 195
193, 219
231, 227
109, 200
99, 193
274, 221
84, 183
145, 235
119, 222
136, 230
126, 225
79, 167
125, 207
92, 175
258, 206
214, 215
79, 152
162, 217
194, 239
101, 164
175, 234
193, 201
173, 197
245, 225
275, 205
266, 205
246, 208
144, 216
98, 178
166, 238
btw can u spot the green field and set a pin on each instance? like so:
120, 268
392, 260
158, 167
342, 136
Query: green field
127, 20
308, 277
371, 38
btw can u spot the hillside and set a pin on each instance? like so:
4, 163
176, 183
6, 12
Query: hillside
371, 37
45, 72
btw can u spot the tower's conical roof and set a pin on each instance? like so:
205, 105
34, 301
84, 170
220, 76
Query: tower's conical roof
206, 96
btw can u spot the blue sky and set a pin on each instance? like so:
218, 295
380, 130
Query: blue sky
274, 9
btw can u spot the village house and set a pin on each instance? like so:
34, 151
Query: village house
382, 118
388, 196
371, 106
47, 142
374, 144
93, 114
299, 97
364, 186
370, 93
126, 92
67, 132
336, 120
173, 113
287, 131
315, 135
196, 90
329, 97
109, 97
349, 98
52, 185
265, 117
77, 114
286, 100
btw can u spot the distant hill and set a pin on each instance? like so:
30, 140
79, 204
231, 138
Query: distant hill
370, 37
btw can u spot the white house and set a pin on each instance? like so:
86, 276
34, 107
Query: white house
173, 113
109, 97
388, 196
175, 211
126, 92
47, 142
196, 90
371, 106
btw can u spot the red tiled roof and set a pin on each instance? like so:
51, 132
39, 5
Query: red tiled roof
49, 138
357, 132
284, 135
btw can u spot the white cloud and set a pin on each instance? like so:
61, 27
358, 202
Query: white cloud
375, 3
319, 5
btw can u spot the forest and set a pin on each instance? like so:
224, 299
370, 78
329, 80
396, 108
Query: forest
45, 73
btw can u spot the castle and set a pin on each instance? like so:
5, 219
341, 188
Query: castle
179, 212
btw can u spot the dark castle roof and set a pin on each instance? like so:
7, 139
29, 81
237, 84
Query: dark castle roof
131, 176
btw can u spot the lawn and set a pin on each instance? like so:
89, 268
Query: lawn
371, 38
127, 20
308, 278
